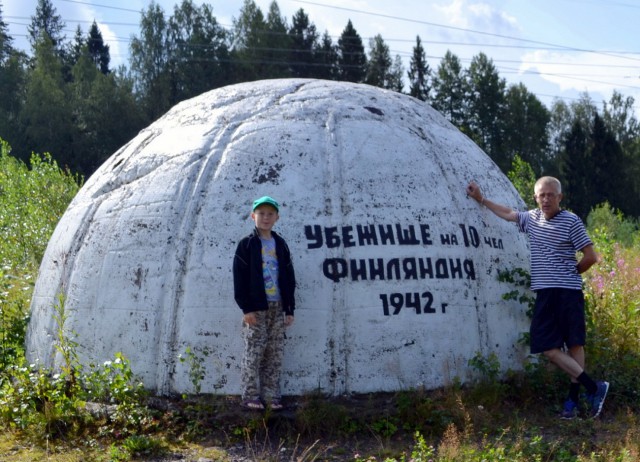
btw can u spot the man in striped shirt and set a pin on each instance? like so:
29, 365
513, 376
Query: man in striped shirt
558, 325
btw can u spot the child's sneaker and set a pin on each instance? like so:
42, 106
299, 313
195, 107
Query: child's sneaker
570, 410
276, 405
597, 399
254, 404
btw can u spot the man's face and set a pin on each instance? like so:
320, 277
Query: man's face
548, 198
265, 216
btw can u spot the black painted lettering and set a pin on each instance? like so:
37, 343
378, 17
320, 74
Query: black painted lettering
347, 236
409, 268
412, 300
425, 232
469, 270
332, 237
385, 304
376, 269
407, 236
393, 268
445, 239
396, 301
367, 235
442, 270
358, 270
386, 234
474, 237
428, 304
465, 238
335, 268
426, 268
314, 234
470, 236
500, 244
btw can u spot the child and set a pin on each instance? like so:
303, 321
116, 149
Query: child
264, 285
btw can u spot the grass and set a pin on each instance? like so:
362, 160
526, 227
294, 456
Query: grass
451, 424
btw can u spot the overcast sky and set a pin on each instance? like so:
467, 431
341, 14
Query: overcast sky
557, 48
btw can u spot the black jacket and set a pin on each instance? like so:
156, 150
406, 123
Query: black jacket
248, 281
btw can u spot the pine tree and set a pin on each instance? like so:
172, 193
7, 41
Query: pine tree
525, 129
352, 60
576, 168
77, 46
419, 73
98, 50
449, 88
249, 43
326, 59
486, 97
13, 73
6, 47
304, 43
609, 180
46, 22
379, 63
277, 45
395, 82
200, 50
150, 63
199, 59
47, 113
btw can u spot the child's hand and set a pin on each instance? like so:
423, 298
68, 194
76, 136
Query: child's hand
288, 320
250, 319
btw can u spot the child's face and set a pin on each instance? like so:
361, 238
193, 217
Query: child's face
265, 216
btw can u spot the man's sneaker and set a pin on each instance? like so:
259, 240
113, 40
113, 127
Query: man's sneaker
570, 410
597, 399
276, 405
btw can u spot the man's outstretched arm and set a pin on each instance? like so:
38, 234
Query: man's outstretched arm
504, 212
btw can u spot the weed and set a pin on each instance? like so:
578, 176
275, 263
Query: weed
196, 366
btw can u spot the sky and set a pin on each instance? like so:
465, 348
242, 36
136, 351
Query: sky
556, 48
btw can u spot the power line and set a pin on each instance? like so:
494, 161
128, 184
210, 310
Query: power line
101, 6
507, 70
461, 29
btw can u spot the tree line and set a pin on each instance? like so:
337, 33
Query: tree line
64, 98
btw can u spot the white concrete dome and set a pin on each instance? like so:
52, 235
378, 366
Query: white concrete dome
396, 267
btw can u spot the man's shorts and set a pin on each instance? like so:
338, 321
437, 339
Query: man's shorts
558, 320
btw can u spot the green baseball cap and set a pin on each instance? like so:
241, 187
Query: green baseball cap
266, 200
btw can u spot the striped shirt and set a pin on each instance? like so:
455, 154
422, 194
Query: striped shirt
554, 244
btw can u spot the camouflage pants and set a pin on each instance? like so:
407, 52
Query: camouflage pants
263, 350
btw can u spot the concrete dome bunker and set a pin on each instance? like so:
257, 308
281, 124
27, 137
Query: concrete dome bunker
396, 267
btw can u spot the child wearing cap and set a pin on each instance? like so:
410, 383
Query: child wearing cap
264, 284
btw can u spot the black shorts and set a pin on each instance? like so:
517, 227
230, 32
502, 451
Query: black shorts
558, 320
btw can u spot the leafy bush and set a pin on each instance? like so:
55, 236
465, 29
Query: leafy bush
605, 220
32, 200
41, 402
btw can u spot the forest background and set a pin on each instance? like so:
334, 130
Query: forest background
64, 98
